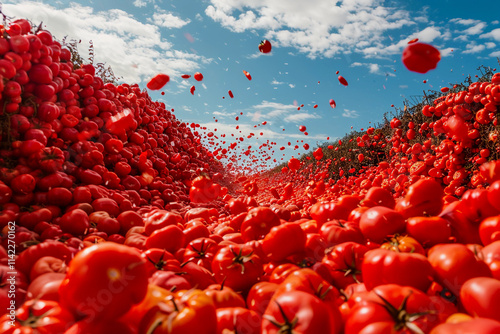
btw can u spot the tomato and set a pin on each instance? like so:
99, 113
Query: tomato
491, 255
158, 81
119, 280
37, 316
158, 219
454, 264
297, 311
30, 256
47, 264
201, 251
283, 241
481, 297
238, 320
198, 76
76, 222
323, 212
169, 280
420, 57
100, 327
380, 222
45, 286
258, 223
489, 230
382, 266
377, 196
237, 266
342, 80
393, 308
160, 259
169, 238
224, 296
338, 231
265, 46
429, 231
260, 295
344, 262
403, 243
203, 190
183, 312
476, 325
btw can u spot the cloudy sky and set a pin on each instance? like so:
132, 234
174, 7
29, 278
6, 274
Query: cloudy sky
312, 40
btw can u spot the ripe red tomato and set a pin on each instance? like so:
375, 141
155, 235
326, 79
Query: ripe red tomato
420, 57
342, 80
265, 46
37, 316
238, 320
381, 266
380, 222
119, 280
237, 266
344, 263
198, 76
475, 325
158, 81
283, 241
189, 311
297, 311
454, 264
258, 223
481, 297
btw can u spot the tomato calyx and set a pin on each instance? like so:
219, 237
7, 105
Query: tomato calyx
239, 259
287, 326
401, 317
32, 319
160, 264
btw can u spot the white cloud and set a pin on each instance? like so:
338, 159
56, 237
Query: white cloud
428, 35
465, 22
300, 117
494, 34
136, 51
314, 27
474, 48
495, 54
165, 19
350, 113
490, 45
276, 82
140, 3
291, 85
374, 68
476, 29
448, 51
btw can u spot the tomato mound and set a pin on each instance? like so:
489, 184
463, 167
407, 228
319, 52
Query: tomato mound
118, 219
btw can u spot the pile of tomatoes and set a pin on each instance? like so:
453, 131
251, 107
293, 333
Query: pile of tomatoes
114, 218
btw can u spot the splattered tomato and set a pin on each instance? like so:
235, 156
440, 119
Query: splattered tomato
421, 57
158, 81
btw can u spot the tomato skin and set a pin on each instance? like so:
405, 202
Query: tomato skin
158, 81
277, 243
454, 264
265, 46
481, 297
260, 295
237, 266
403, 243
344, 262
379, 222
491, 255
183, 312
371, 315
489, 230
307, 312
258, 223
38, 317
337, 231
424, 197
30, 256
119, 280
381, 266
224, 296
420, 228
238, 320
420, 57
475, 325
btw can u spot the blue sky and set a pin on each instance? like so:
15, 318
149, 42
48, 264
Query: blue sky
362, 39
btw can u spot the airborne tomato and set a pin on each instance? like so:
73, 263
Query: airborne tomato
265, 46
420, 57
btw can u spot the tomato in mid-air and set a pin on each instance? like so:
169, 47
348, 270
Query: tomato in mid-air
421, 57
265, 46
158, 81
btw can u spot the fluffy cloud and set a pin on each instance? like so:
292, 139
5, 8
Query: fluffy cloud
162, 18
314, 27
133, 49
350, 113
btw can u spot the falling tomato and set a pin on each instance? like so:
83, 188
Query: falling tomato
420, 57
342, 80
198, 76
332, 103
230, 93
192, 89
265, 46
415, 40
249, 77
315, 106
185, 76
302, 128
445, 89
158, 81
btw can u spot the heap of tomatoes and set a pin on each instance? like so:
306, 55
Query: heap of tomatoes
122, 224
